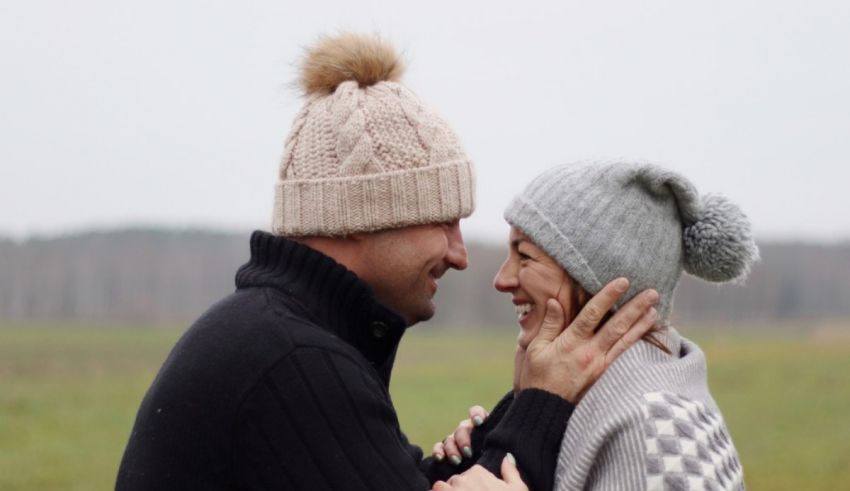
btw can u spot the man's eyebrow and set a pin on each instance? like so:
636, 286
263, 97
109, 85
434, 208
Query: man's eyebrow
516, 242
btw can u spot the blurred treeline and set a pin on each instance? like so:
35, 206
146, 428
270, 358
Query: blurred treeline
168, 276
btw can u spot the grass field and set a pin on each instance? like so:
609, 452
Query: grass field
68, 398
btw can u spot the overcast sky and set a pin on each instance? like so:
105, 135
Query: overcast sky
119, 113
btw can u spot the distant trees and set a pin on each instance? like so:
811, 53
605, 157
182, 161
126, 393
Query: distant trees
131, 275
155, 276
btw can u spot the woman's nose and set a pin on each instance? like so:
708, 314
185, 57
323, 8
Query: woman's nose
505, 280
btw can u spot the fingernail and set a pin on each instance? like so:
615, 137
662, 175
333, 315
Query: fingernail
621, 284
652, 296
455, 460
477, 420
511, 458
467, 452
439, 457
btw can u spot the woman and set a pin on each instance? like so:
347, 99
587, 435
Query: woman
649, 422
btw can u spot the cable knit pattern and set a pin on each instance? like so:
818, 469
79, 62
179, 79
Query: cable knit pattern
650, 423
367, 158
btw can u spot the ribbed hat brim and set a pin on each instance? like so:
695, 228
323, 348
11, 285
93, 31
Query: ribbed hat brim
350, 204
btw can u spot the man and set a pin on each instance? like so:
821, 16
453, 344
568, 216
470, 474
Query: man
284, 383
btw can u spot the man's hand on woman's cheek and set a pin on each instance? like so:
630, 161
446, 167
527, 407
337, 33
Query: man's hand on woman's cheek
568, 360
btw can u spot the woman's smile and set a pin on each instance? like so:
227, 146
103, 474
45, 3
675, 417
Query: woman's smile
531, 277
523, 310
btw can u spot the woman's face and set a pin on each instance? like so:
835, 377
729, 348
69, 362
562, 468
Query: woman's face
532, 277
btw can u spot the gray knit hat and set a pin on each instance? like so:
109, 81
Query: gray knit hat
634, 220
365, 154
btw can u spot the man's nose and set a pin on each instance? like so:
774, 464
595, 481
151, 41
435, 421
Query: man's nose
456, 255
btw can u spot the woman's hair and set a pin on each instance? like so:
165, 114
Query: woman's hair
580, 296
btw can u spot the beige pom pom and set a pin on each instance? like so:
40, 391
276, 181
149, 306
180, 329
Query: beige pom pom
349, 56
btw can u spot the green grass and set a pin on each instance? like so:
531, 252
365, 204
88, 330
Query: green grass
787, 405
68, 398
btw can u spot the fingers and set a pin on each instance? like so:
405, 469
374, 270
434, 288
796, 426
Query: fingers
479, 478
477, 415
626, 317
637, 331
451, 449
458, 445
438, 452
441, 486
510, 473
591, 315
553, 322
463, 438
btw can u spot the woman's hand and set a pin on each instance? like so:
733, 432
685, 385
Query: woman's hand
458, 444
567, 361
480, 479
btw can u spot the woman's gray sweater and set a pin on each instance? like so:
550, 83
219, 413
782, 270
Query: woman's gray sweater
650, 423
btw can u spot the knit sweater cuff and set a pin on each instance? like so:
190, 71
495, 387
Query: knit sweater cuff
479, 433
531, 429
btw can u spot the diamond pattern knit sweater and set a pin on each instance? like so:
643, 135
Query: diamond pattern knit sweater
650, 423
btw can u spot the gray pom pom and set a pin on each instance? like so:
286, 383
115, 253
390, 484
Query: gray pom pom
719, 245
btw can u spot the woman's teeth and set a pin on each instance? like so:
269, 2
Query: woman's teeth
523, 309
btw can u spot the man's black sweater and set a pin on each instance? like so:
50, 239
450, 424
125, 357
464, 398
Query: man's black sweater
284, 385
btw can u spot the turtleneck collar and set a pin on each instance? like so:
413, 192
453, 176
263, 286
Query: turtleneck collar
331, 295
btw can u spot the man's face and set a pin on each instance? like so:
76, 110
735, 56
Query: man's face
404, 265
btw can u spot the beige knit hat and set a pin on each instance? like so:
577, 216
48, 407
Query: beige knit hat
365, 153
